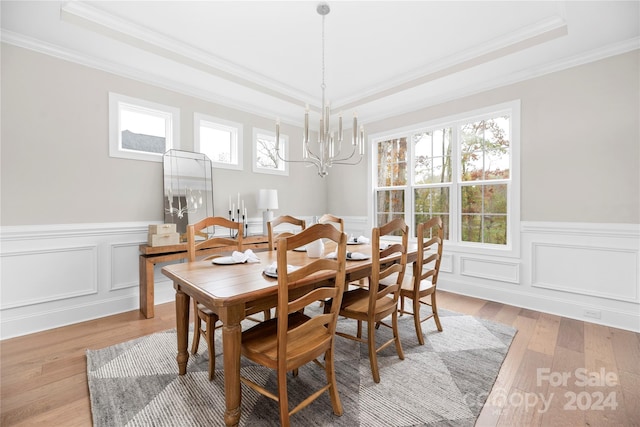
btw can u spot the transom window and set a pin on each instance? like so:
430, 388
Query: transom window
460, 169
141, 130
220, 140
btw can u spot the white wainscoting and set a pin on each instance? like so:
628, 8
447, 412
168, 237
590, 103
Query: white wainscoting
589, 272
55, 275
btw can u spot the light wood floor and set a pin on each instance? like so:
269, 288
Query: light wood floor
44, 380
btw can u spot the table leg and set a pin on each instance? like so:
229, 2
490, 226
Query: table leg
182, 325
231, 341
147, 286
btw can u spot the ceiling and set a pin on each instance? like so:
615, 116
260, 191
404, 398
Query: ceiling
382, 58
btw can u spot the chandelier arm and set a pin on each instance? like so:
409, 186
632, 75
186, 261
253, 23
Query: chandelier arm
344, 159
311, 161
347, 163
311, 153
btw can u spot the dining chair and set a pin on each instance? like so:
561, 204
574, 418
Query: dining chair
332, 219
425, 274
197, 240
328, 218
294, 338
373, 304
273, 235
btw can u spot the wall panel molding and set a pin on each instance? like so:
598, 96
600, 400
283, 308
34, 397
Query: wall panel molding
502, 271
104, 258
124, 265
574, 269
31, 277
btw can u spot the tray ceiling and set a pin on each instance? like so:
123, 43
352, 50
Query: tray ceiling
382, 58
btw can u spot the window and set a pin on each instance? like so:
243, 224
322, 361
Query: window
220, 140
265, 156
463, 169
140, 129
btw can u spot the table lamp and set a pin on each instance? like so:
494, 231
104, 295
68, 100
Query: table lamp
267, 200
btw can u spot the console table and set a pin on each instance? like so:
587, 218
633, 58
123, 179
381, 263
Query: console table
152, 255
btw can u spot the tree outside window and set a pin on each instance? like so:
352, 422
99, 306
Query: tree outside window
461, 172
265, 155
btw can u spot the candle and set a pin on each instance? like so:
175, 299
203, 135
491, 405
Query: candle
243, 207
238, 201
327, 116
340, 127
355, 129
233, 209
305, 137
229, 201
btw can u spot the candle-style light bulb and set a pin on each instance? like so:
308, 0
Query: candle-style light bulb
354, 139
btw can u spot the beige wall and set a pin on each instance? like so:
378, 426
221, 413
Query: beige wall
580, 152
56, 167
580, 147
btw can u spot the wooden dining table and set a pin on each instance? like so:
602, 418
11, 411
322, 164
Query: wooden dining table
236, 291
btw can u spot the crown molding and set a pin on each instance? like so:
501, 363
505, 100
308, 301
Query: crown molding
50, 49
613, 49
516, 41
121, 70
119, 29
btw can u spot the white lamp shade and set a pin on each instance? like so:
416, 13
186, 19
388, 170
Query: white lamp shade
267, 199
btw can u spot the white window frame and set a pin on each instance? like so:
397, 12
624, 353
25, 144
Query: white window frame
235, 129
512, 248
171, 116
284, 152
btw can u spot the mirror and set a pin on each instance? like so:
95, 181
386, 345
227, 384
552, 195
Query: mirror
188, 189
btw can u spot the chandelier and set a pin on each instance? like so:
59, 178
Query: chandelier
328, 150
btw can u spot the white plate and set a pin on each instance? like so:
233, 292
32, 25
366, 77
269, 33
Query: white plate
224, 260
300, 249
275, 275
354, 243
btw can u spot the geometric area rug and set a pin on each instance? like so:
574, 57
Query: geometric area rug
442, 383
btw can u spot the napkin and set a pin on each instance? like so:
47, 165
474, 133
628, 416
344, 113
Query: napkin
350, 255
246, 256
360, 239
272, 269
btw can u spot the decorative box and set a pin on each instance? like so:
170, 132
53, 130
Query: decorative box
164, 239
162, 228
163, 235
